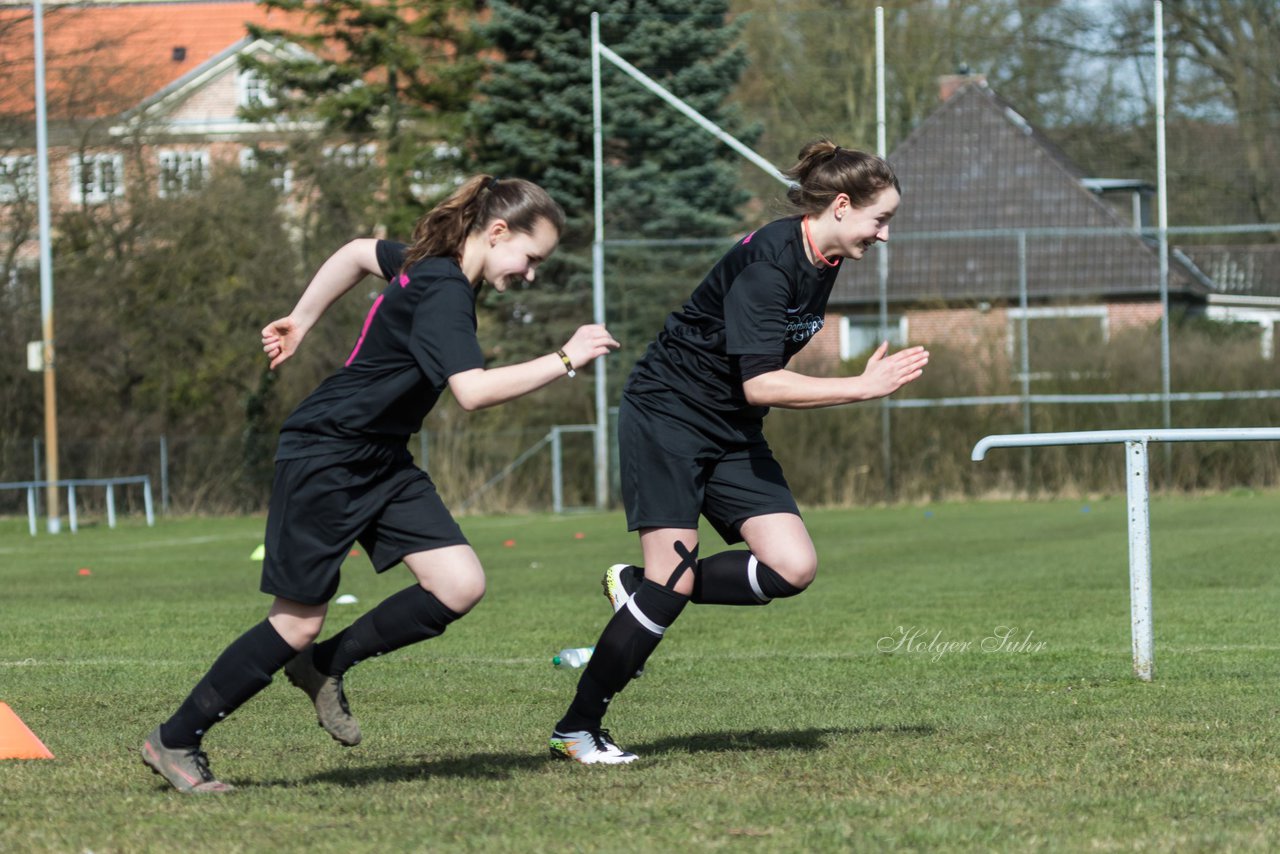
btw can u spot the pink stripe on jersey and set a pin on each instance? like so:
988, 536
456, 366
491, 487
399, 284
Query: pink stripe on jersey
368, 321
404, 280
747, 239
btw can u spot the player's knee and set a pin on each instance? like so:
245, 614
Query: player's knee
460, 591
798, 570
298, 632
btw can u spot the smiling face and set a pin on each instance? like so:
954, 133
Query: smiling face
858, 229
515, 255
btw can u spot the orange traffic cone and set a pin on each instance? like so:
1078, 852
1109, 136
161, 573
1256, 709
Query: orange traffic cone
16, 741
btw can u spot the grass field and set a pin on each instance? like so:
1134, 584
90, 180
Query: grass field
785, 728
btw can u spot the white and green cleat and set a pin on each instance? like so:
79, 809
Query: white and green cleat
620, 582
589, 747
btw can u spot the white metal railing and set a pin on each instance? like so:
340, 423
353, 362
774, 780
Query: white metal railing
30, 486
1136, 479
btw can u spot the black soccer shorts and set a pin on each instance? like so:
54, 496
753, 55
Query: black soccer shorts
321, 506
678, 462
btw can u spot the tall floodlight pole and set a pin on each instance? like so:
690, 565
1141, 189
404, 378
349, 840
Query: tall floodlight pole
882, 260
597, 267
46, 282
1162, 218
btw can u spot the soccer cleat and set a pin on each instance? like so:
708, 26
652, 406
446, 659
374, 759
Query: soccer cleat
589, 747
332, 711
620, 582
186, 768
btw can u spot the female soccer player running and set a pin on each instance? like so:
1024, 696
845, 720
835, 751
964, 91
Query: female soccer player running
343, 470
690, 427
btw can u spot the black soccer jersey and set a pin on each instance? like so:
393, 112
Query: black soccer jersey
763, 298
420, 331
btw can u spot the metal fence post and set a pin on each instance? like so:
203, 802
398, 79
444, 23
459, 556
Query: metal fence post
164, 475
31, 509
1024, 355
1136, 478
146, 500
557, 472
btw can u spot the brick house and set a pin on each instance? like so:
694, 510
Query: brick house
975, 165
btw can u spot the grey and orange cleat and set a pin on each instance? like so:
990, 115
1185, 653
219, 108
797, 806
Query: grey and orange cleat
332, 712
186, 768
589, 747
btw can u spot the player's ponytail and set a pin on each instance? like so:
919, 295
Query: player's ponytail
443, 231
826, 170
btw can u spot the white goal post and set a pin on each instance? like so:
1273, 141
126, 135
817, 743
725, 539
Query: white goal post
1136, 479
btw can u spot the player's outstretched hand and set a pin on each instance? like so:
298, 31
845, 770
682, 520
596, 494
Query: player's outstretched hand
886, 374
280, 339
588, 344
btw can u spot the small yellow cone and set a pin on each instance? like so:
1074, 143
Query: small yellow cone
259, 553
16, 741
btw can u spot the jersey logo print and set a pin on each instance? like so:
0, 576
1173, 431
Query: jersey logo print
368, 321
804, 328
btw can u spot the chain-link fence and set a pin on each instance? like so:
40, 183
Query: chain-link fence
1079, 247
516, 470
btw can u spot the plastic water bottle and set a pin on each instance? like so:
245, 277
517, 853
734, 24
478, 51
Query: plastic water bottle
573, 657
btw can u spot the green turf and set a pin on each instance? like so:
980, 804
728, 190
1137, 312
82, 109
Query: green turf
761, 729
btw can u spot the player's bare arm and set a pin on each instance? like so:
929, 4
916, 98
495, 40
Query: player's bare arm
480, 388
883, 375
342, 271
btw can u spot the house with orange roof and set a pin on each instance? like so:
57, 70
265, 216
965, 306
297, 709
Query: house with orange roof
135, 92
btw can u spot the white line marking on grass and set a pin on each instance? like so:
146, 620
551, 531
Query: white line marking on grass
156, 544
538, 661
185, 541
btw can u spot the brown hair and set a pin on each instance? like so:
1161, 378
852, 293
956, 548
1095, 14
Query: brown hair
825, 170
444, 229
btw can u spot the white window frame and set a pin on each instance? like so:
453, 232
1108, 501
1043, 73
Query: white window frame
1013, 323
897, 328
252, 89
351, 155
421, 183
107, 177
1264, 319
177, 166
281, 180
17, 177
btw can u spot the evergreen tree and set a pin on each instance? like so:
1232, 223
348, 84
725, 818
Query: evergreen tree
664, 176
398, 73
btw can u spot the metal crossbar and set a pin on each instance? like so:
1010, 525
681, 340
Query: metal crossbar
1136, 479
30, 486
553, 438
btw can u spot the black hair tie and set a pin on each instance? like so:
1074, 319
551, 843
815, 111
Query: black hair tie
493, 183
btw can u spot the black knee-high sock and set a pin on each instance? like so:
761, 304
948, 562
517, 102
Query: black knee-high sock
728, 578
403, 618
737, 578
626, 643
244, 668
